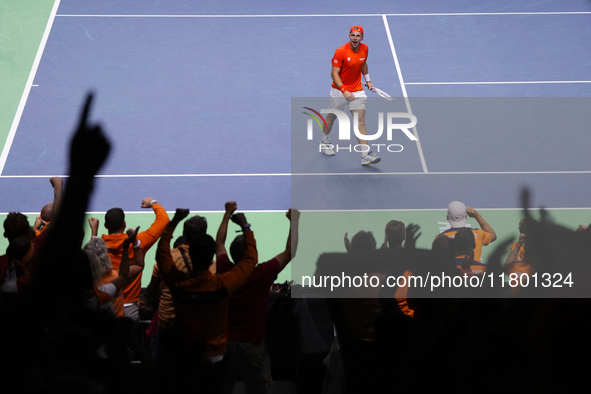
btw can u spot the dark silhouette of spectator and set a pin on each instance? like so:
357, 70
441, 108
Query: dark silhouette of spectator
443, 248
16, 225
157, 289
17, 229
16, 274
54, 332
395, 233
247, 350
200, 298
464, 245
360, 313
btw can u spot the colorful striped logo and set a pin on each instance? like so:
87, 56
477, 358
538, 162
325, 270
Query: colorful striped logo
315, 118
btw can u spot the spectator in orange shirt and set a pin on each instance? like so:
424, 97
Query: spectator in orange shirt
47, 212
521, 241
103, 272
43, 219
115, 225
101, 267
515, 262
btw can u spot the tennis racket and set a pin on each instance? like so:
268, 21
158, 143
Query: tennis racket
380, 92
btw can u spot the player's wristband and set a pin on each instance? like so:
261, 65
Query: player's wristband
343, 88
153, 202
366, 77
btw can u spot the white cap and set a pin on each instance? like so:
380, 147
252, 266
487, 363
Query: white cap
456, 214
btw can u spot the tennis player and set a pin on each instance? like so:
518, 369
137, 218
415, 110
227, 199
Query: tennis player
348, 63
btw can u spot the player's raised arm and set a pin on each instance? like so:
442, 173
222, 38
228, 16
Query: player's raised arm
292, 239
220, 239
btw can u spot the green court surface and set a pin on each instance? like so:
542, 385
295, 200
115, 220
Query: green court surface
323, 232
270, 229
22, 23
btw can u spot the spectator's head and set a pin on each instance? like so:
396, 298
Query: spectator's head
444, 250
201, 251
98, 256
396, 233
47, 212
464, 242
179, 241
18, 248
524, 224
16, 225
456, 214
363, 242
115, 220
237, 248
197, 225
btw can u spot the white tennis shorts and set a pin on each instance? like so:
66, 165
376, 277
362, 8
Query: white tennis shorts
338, 101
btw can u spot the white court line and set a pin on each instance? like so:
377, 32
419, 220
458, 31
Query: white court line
216, 211
320, 15
491, 83
448, 173
408, 109
25, 96
148, 212
149, 175
430, 210
313, 174
434, 209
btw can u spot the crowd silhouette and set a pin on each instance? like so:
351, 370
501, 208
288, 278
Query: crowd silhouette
70, 311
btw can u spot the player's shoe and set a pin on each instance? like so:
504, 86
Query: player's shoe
371, 158
326, 149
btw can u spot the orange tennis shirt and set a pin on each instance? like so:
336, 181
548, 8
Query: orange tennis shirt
350, 63
147, 238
